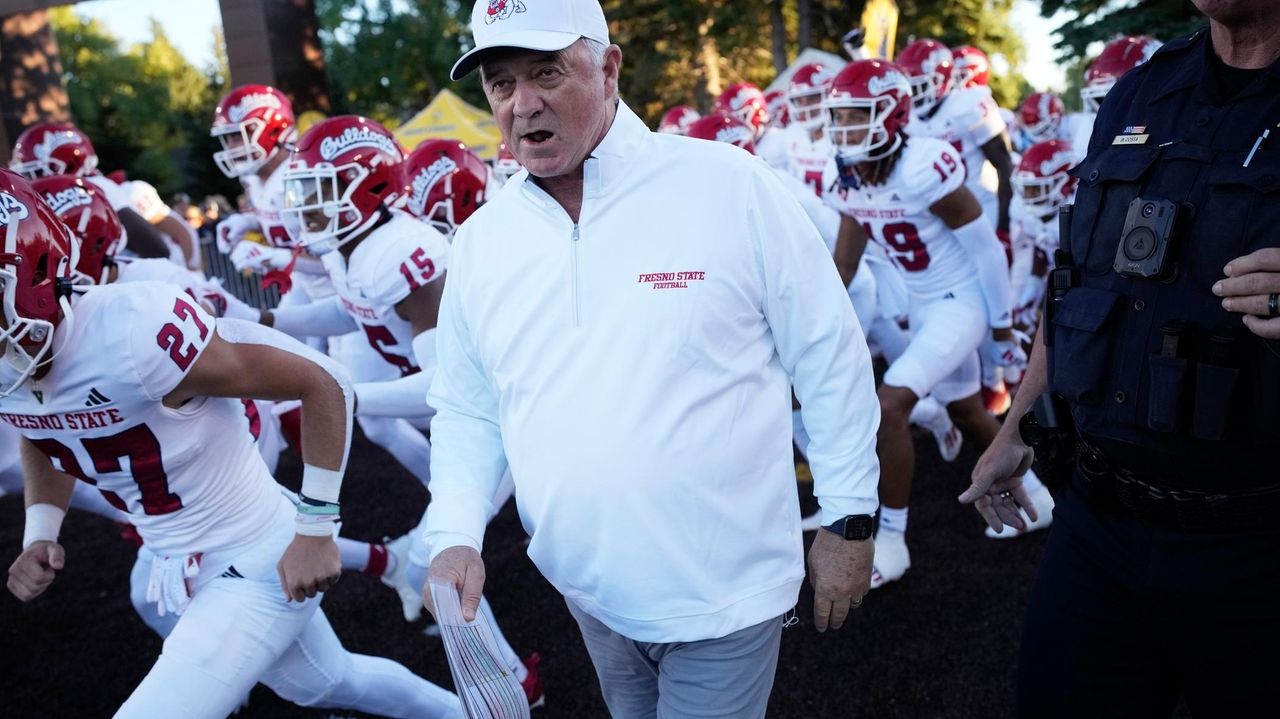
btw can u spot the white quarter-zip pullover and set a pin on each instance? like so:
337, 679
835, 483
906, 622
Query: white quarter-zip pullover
635, 369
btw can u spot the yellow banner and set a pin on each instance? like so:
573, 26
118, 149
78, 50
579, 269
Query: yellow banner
880, 20
450, 117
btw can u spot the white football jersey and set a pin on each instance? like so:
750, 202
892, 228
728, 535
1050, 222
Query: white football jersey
772, 146
190, 479
896, 216
1034, 230
394, 260
1080, 127
266, 198
1029, 233
807, 160
207, 291
116, 194
968, 119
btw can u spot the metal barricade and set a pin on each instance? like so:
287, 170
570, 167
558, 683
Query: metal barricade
247, 286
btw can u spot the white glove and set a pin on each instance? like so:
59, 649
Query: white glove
171, 583
1007, 354
231, 230
260, 258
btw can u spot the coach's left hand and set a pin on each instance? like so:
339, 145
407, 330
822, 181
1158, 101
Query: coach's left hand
1250, 282
309, 566
840, 572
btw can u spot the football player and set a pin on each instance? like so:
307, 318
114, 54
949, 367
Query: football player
970, 121
84, 210
242, 566
909, 196
972, 68
445, 182
255, 125
804, 151
1117, 58
50, 148
1041, 186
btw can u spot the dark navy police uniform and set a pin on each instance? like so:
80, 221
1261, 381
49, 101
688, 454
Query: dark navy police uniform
1161, 576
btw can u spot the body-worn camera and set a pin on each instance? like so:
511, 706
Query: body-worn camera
1146, 242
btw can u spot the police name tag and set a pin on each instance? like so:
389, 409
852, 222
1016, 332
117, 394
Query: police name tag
1132, 135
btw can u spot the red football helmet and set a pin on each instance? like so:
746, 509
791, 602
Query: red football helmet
677, 120
776, 102
1041, 114
929, 66
86, 212
342, 177
1118, 57
724, 128
506, 164
37, 255
804, 96
972, 68
253, 123
1041, 179
53, 148
445, 183
745, 102
881, 90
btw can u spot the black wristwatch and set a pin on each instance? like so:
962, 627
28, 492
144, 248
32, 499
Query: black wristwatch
854, 526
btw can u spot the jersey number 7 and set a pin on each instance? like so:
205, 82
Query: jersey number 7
139, 445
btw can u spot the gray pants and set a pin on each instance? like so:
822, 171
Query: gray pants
727, 677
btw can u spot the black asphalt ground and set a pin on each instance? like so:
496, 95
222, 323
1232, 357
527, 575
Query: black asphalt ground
940, 643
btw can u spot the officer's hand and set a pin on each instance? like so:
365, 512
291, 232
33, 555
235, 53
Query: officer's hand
462, 567
310, 565
997, 491
1250, 280
33, 571
840, 572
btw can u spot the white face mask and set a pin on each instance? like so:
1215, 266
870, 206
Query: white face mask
15, 329
324, 215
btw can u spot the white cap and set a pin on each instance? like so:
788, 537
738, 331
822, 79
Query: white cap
544, 25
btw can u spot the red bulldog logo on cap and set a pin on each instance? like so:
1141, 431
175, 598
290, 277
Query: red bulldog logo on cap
501, 10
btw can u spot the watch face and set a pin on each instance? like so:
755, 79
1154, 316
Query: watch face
861, 526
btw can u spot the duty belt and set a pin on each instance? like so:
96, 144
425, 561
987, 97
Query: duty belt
1184, 510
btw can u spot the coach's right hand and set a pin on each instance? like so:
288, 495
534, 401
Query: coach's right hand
462, 567
33, 571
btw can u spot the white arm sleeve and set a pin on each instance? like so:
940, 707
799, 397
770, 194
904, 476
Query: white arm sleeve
325, 318
405, 397
240, 332
979, 240
467, 457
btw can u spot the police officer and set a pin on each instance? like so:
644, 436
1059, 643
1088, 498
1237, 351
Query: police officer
1161, 576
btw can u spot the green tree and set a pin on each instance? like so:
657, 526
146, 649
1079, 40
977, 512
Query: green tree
388, 58
1092, 21
146, 108
982, 23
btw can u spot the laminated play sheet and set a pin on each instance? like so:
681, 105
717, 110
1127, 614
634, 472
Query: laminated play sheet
485, 685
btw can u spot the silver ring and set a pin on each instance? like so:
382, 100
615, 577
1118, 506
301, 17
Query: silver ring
1273, 304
